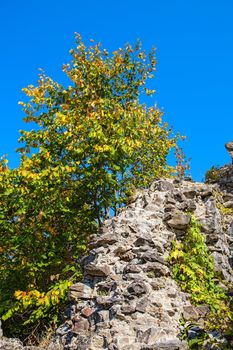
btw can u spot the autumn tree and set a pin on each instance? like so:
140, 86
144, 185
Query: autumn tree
92, 143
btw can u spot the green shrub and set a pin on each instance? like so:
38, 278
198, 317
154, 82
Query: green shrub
212, 175
193, 269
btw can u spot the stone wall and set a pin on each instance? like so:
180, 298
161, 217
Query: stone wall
225, 179
128, 299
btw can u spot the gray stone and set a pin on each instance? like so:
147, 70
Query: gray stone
167, 216
179, 196
10, 344
137, 288
124, 253
143, 335
230, 229
228, 204
190, 193
104, 239
179, 221
227, 197
142, 305
106, 300
151, 256
32, 348
165, 185
157, 269
206, 193
1, 332
107, 285
56, 344
169, 208
122, 250
190, 313
132, 269
128, 309
80, 291
80, 325
145, 239
97, 270
102, 316
189, 206
169, 344
202, 310
171, 200
229, 147
64, 329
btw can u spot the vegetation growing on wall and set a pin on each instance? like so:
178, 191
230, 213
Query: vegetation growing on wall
219, 203
90, 144
193, 269
212, 175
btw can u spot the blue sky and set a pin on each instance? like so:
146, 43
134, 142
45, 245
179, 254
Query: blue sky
194, 79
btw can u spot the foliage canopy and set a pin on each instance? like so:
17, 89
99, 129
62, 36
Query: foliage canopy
90, 145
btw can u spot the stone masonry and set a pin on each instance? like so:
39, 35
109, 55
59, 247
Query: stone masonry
128, 299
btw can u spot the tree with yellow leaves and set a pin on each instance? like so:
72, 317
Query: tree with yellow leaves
92, 143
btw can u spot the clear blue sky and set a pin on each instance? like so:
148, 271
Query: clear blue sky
194, 80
